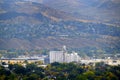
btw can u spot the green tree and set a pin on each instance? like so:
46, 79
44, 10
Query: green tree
81, 77
31, 67
19, 69
89, 75
32, 77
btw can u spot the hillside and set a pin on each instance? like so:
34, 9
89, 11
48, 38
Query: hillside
18, 11
105, 11
30, 25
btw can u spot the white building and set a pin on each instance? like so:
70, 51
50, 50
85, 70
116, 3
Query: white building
56, 56
63, 56
73, 57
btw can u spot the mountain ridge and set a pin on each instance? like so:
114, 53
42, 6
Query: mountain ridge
105, 11
32, 25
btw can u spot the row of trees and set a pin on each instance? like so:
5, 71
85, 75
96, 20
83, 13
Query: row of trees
13, 53
83, 52
60, 71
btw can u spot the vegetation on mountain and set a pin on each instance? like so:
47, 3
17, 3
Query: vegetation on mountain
59, 34
26, 25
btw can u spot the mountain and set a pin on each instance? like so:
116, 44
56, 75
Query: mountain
105, 11
32, 25
17, 10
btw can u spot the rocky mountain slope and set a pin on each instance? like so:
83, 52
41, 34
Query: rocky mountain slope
31, 25
105, 11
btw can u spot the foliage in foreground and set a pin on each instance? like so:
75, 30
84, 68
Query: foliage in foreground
60, 71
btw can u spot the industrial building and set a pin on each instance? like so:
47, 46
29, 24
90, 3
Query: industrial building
63, 56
